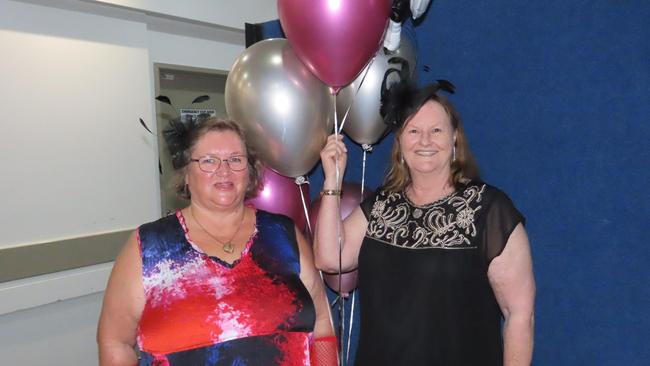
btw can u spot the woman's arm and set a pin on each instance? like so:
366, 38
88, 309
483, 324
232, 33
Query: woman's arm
324, 348
511, 277
122, 307
353, 230
329, 225
312, 280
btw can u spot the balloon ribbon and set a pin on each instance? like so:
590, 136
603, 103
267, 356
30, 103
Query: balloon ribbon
300, 181
341, 308
345, 116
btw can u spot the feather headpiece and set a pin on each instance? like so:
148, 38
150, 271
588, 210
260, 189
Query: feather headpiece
403, 99
178, 137
179, 134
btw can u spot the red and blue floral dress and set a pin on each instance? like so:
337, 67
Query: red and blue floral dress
203, 311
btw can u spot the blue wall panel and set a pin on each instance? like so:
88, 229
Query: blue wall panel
556, 100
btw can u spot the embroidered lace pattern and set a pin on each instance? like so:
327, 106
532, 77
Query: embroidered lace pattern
448, 223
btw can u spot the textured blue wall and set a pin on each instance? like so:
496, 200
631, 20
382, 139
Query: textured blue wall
555, 97
556, 100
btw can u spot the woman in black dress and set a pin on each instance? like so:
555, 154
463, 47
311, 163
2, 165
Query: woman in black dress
443, 257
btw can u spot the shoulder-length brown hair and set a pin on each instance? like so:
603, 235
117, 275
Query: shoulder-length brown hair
218, 124
463, 168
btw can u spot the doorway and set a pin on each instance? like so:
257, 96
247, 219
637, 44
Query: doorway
183, 93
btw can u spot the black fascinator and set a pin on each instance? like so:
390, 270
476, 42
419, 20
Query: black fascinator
403, 98
178, 137
180, 132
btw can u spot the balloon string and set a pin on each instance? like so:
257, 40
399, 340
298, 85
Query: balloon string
329, 310
366, 149
336, 135
347, 356
341, 308
365, 73
363, 172
299, 182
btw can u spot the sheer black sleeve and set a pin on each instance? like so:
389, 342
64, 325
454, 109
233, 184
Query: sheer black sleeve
368, 203
501, 219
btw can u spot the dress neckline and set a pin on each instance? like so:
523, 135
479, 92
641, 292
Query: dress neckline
437, 202
244, 253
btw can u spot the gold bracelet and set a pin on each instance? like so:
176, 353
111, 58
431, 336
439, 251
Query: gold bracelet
330, 192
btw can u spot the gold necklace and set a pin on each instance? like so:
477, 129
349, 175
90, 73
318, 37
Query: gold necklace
227, 246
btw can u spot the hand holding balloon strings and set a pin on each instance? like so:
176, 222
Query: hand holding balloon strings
334, 157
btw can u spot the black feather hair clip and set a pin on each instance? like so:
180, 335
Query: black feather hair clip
402, 99
178, 137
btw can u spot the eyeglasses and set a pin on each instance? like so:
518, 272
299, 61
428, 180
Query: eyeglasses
211, 164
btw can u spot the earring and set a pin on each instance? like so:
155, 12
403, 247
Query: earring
453, 154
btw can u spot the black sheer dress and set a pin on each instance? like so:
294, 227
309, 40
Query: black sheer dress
425, 294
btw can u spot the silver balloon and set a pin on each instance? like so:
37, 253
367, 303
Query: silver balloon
286, 111
364, 124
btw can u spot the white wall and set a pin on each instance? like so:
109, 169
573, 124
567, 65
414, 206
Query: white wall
74, 83
228, 13
183, 50
73, 88
61, 333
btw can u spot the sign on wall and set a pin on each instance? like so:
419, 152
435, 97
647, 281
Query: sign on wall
193, 113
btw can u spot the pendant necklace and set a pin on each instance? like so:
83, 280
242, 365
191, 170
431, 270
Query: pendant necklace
228, 245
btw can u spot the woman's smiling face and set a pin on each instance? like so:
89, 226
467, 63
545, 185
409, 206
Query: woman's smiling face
427, 140
225, 188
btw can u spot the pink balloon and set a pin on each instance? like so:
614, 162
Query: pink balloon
334, 38
350, 200
282, 195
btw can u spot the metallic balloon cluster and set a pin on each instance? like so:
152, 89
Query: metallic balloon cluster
287, 95
285, 102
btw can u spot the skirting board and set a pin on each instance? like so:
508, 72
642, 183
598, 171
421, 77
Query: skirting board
41, 290
38, 259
